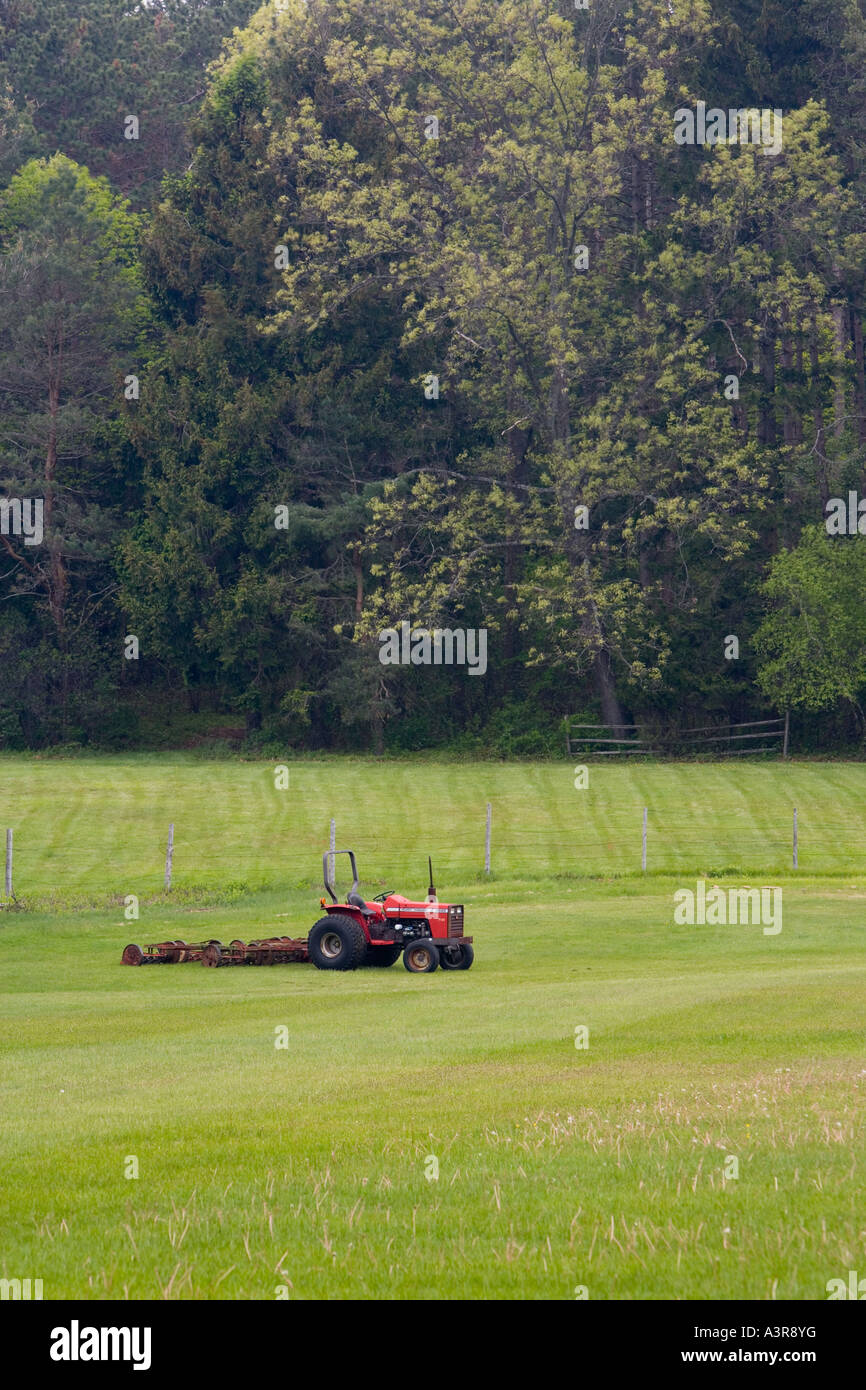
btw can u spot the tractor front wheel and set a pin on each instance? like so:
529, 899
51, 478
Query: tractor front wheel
459, 955
337, 942
421, 957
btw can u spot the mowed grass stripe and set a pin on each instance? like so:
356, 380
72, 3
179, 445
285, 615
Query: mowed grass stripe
305, 1168
91, 825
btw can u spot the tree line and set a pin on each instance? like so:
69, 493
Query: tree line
362, 315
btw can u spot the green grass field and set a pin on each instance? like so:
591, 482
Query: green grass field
304, 1170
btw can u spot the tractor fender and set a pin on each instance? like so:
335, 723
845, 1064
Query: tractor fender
367, 922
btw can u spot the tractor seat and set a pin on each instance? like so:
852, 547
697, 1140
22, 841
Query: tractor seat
357, 901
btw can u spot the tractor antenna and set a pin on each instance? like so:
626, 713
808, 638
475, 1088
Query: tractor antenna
431, 891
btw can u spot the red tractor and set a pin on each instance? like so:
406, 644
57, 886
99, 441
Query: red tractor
427, 934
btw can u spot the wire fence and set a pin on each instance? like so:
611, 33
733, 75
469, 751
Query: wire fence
615, 840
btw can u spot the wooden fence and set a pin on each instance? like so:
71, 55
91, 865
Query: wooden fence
721, 740
582, 740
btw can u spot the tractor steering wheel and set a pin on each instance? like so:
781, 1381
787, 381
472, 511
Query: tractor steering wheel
380, 897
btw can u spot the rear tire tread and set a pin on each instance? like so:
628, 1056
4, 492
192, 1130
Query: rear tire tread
353, 934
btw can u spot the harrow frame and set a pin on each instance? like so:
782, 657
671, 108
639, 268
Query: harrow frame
272, 950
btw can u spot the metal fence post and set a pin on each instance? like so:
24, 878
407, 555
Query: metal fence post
169, 855
487, 840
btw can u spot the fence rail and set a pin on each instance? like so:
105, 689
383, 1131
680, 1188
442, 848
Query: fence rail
583, 740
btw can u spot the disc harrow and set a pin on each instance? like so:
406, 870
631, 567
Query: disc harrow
273, 950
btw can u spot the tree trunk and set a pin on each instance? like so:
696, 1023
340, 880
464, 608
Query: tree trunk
611, 711
818, 409
767, 425
790, 419
859, 374
739, 414
57, 578
359, 582
377, 711
518, 445
840, 314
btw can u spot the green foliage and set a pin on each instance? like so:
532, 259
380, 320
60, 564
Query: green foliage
71, 316
813, 640
83, 66
650, 357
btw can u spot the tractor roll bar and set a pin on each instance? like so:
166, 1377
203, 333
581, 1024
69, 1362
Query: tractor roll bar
328, 884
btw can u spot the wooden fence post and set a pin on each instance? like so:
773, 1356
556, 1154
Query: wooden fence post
169, 855
487, 841
332, 858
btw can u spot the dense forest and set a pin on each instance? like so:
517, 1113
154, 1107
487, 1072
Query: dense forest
536, 319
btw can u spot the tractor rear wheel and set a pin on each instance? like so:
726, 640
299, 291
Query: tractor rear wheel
421, 957
337, 942
458, 955
382, 955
